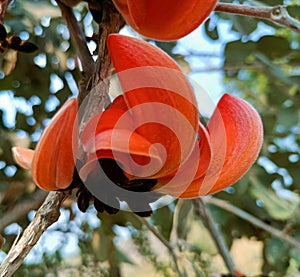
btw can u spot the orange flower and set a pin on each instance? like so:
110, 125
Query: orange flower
52, 163
152, 130
148, 140
165, 20
234, 134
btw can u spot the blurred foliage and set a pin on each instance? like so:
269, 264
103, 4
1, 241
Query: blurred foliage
261, 64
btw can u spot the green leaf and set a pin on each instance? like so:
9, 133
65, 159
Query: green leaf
122, 218
294, 11
276, 252
163, 219
281, 158
295, 254
288, 117
183, 218
275, 72
277, 208
243, 24
166, 46
273, 47
269, 123
272, 2
275, 95
101, 243
211, 29
294, 170
21, 121
236, 52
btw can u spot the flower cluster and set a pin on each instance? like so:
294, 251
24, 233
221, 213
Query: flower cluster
149, 142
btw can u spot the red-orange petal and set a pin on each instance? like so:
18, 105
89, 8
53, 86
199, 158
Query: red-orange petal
119, 103
158, 97
165, 20
109, 119
236, 134
244, 137
138, 157
53, 163
194, 168
23, 157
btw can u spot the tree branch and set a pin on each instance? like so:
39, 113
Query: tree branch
78, 37
3, 7
47, 214
164, 242
202, 211
253, 220
277, 14
111, 22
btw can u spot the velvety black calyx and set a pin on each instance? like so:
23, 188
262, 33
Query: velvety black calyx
84, 198
141, 202
144, 214
3, 33
112, 171
115, 173
14, 42
108, 202
27, 47
99, 205
102, 207
110, 196
139, 185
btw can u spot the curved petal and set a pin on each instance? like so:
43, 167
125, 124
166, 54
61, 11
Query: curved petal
201, 155
165, 20
122, 7
109, 119
53, 162
23, 157
128, 52
138, 157
194, 168
119, 103
240, 141
158, 97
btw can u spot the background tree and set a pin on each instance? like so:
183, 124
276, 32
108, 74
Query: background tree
259, 62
